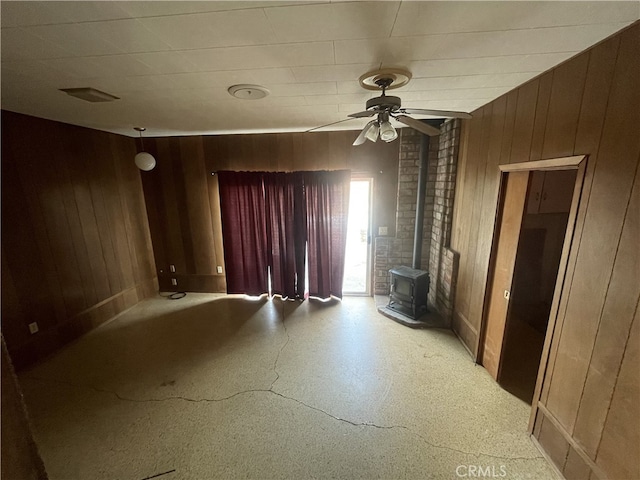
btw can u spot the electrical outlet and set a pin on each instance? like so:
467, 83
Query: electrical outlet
33, 327
383, 231
172, 268
174, 282
219, 269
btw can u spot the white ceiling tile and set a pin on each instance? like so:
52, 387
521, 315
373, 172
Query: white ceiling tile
76, 12
331, 72
486, 65
129, 36
318, 88
470, 81
79, 68
77, 38
218, 29
285, 55
332, 21
162, 8
350, 86
428, 18
271, 102
348, 108
122, 65
402, 50
18, 44
378, 50
29, 68
265, 77
453, 94
165, 62
15, 14
353, 98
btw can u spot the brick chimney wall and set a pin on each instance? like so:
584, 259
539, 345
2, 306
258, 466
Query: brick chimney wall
438, 215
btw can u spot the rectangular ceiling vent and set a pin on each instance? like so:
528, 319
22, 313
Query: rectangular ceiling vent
89, 94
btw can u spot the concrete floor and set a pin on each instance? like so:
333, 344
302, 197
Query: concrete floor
212, 386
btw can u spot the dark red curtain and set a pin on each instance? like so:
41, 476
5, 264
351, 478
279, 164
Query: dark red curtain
286, 233
327, 209
244, 231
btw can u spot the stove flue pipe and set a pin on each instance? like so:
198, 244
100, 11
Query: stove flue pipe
423, 174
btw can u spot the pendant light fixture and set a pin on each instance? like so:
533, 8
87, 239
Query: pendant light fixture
144, 161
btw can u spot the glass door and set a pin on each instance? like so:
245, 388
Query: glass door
357, 268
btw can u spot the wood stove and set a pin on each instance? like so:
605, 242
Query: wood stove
409, 289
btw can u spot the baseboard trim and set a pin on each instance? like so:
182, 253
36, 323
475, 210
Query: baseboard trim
48, 342
595, 469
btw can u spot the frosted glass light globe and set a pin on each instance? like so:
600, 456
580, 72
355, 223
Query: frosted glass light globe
145, 161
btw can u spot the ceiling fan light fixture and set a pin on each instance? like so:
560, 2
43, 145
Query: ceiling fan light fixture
361, 138
372, 130
387, 132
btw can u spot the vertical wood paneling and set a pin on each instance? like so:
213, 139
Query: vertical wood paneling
542, 110
68, 233
600, 72
524, 120
75, 225
182, 196
468, 184
589, 105
198, 211
93, 165
619, 308
564, 107
618, 452
481, 235
608, 200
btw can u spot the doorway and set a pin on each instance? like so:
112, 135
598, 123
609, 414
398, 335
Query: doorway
534, 229
357, 268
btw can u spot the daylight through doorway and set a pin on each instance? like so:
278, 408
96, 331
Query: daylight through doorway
356, 269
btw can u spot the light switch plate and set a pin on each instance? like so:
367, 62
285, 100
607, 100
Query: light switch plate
382, 231
33, 328
219, 269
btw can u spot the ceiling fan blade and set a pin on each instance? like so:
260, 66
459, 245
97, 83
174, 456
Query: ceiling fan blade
366, 113
418, 125
327, 125
435, 113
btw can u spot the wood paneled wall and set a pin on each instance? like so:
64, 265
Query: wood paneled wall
76, 248
588, 416
182, 194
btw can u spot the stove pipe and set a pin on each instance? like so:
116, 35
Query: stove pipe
422, 188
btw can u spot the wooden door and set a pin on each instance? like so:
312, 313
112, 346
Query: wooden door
508, 235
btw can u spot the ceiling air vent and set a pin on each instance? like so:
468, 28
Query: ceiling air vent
89, 94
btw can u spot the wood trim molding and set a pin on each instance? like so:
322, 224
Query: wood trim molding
597, 471
560, 287
563, 163
546, 456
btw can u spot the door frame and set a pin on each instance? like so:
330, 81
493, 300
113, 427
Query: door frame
579, 163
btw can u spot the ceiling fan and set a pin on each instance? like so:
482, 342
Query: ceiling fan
386, 107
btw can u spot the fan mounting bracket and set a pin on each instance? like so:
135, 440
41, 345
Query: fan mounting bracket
385, 103
385, 79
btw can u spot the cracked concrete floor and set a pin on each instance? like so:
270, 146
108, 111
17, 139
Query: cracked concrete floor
214, 386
